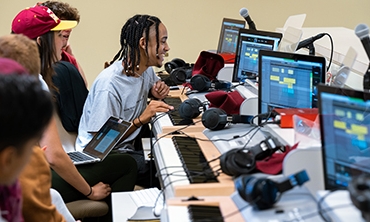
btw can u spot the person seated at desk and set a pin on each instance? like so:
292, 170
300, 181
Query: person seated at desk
122, 89
90, 181
25, 111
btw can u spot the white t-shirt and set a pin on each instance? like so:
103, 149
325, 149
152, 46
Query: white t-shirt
114, 94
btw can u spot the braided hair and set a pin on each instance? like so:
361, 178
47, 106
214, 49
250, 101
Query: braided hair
131, 32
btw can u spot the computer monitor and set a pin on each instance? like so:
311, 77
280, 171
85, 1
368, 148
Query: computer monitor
288, 80
229, 35
249, 44
345, 134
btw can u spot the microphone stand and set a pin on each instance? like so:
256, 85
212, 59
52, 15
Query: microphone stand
311, 49
366, 80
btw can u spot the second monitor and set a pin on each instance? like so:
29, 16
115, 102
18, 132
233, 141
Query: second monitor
250, 42
288, 80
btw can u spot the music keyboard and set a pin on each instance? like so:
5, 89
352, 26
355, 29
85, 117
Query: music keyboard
219, 208
168, 122
181, 174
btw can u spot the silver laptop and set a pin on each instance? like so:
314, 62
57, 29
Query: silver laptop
102, 142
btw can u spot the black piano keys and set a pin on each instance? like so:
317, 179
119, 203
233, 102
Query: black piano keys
175, 115
194, 163
204, 213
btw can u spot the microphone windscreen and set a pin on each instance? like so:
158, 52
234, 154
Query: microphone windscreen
362, 31
243, 12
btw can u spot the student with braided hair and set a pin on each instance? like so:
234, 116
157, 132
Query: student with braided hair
122, 89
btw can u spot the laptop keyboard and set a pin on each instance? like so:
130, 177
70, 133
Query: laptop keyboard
146, 197
78, 156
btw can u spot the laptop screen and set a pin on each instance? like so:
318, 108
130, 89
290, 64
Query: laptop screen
229, 35
288, 80
107, 137
249, 44
345, 127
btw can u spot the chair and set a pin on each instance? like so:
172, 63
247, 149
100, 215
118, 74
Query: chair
80, 208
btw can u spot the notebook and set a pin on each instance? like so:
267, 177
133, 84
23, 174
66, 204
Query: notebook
345, 139
102, 142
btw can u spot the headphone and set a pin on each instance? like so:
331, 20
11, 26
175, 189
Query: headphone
202, 83
216, 118
359, 191
263, 193
191, 108
178, 70
240, 161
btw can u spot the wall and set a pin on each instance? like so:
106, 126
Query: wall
192, 25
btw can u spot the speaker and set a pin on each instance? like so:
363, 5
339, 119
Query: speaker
191, 108
202, 83
216, 119
263, 193
359, 191
240, 161
178, 70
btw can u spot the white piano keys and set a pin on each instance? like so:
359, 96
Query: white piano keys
170, 167
161, 120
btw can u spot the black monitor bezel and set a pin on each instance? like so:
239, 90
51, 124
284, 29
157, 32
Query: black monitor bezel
238, 46
290, 56
222, 31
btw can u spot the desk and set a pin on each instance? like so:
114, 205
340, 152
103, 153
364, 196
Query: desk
177, 211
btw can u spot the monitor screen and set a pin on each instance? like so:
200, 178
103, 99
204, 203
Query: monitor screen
288, 80
249, 44
345, 134
229, 35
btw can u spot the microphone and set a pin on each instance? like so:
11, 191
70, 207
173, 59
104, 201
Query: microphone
309, 41
244, 13
362, 31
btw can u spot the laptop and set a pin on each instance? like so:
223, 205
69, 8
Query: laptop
250, 42
345, 139
289, 80
229, 35
102, 142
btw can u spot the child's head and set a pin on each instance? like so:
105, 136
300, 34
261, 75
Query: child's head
25, 111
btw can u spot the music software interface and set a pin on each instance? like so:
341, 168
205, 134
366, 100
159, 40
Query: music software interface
288, 83
346, 125
230, 37
249, 46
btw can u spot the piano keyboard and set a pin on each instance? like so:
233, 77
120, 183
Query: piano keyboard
178, 161
204, 213
193, 160
171, 118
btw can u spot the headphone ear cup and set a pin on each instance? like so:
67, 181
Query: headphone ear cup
214, 119
190, 108
169, 66
236, 162
200, 83
178, 75
359, 190
262, 193
241, 184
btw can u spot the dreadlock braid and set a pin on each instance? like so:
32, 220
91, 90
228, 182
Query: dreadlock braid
131, 32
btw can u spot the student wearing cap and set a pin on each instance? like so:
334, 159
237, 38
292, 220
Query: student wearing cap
65, 11
123, 88
86, 181
25, 111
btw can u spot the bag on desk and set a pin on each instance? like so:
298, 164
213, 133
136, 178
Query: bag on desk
230, 102
274, 164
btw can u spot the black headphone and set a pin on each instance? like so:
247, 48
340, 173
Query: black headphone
202, 83
359, 191
263, 193
191, 108
178, 70
216, 118
240, 161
